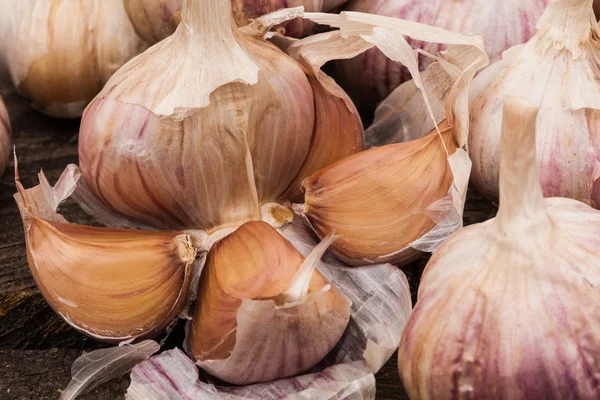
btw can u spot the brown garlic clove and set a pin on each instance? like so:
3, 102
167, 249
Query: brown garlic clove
248, 322
4, 136
338, 132
110, 284
375, 200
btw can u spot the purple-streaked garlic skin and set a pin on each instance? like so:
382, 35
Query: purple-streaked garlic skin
554, 70
5, 136
526, 327
371, 77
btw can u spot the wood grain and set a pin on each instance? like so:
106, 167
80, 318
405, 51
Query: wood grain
36, 346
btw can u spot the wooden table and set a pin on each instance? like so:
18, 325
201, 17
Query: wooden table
37, 348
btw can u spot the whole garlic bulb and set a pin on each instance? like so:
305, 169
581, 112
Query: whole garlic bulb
197, 132
154, 20
4, 136
556, 70
508, 309
61, 53
371, 77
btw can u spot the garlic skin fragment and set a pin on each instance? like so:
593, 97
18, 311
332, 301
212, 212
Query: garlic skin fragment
374, 200
215, 130
5, 136
557, 71
155, 20
538, 257
61, 53
371, 77
110, 284
246, 327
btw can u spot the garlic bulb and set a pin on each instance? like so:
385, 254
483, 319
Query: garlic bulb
111, 284
61, 53
508, 309
154, 20
199, 133
4, 136
556, 70
371, 77
257, 288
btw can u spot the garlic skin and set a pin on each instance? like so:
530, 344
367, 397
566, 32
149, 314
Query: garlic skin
556, 70
508, 309
256, 289
154, 20
61, 53
360, 198
200, 144
110, 284
5, 136
371, 77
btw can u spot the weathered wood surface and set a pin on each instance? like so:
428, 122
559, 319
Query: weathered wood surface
36, 346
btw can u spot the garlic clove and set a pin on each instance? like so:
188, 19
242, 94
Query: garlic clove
339, 199
110, 284
68, 51
245, 300
5, 136
538, 256
205, 146
154, 20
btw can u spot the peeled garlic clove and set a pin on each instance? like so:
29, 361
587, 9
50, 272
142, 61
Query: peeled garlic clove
5, 133
375, 200
508, 309
554, 71
110, 284
215, 130
257, 303
61, 53
371, 77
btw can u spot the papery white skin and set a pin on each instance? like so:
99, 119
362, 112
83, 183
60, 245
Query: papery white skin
508, 309
371, 77
5, 136
60, 53
558, 70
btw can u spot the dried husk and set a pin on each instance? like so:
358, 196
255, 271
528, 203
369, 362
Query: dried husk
155, 20
370, 77
251, 324
111, 284
199, 145
5, 136
61, 53
418, 213
558, 71
538, 257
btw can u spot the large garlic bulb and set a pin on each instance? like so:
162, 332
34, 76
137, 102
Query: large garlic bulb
508, 309
61, 53
4, 136
371, 77
558, 71
154, 20
204, 127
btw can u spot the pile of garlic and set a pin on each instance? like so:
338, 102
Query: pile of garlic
193, 154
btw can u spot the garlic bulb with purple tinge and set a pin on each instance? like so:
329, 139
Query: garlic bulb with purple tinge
558, 71
371, 77
4, 136
508, 309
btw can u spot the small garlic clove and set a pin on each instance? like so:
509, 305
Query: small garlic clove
245, 329
68, 52
154, 20
5, 135
375, 200
110, 284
